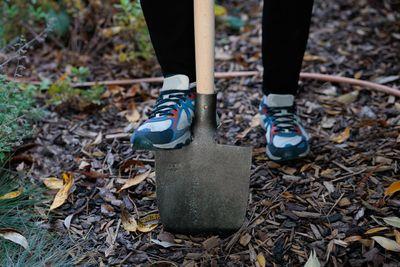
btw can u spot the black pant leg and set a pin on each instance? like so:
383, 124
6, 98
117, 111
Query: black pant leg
171, 27
286, 26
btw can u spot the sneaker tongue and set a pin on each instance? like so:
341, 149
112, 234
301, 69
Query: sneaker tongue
176, 82
274, 100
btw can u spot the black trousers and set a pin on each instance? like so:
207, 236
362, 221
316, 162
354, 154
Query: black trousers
285, 32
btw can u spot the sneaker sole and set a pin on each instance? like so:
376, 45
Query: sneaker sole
143, 143
280, 159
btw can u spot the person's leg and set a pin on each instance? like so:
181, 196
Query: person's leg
170, 24
286, 26
285, 32
171, 28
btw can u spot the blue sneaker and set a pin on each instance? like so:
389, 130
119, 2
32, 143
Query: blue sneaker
169, 124
286, 137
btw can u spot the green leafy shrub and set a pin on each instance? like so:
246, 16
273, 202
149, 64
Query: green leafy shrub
63, 93
16, 110
17, 212
80, 25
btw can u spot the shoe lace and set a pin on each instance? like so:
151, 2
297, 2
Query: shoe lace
283, 118
168, 101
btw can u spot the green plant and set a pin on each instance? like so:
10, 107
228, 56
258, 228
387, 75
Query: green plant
62, 92
80, 25
18, 214
16, 110
130, 18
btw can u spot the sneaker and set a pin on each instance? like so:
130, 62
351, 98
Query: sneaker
286, 137
168, 125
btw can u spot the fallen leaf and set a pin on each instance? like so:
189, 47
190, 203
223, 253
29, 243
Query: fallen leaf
133, 116
342, 137
348, 98
98, 140
393, 221
245, 239
128, 221
62, 194
261, 259
14, 236
220, 10
393, 188
211, 242
67, 221
11, 195
352, 238
312, 260
148, 223
164, 244
53, 183
135, 180
375, 230
387, 243
397, 236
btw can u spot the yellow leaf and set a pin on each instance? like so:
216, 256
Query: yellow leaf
12, 194
342, 137
128, 221
375, 230
261, 259
53, 183
312, 260
393, 188
135, 180
220, 11
109, 32
62, 194
148, 223
387, 243
14, 236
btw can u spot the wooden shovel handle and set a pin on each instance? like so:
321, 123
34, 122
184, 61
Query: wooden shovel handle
204, 28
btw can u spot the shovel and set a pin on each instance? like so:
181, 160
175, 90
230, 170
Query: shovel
203, 187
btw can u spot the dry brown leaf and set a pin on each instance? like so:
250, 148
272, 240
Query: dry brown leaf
211, 242
62, 194
387, 243
261, 259
245, 239
393, 188
148, 223
128, 221
14, 236
342, 137
135, 180
397, 236
11, 195
375, 230
352, 238
53, 183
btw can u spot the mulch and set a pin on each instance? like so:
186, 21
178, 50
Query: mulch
325, 202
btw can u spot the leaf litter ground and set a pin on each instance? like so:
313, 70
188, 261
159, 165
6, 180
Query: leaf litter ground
333, 202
